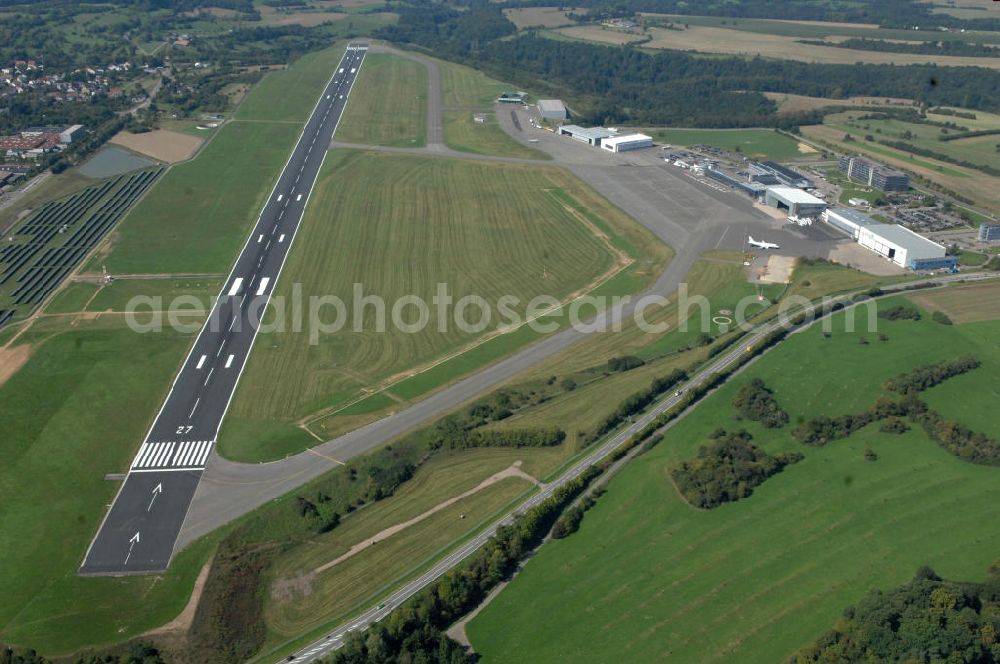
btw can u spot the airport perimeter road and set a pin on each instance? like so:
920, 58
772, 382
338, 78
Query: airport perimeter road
139, 532
335, 639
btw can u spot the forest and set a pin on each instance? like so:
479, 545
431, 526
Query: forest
925, 620
611, 84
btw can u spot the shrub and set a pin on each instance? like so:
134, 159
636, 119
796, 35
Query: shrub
755, 401
941, 317
726, 470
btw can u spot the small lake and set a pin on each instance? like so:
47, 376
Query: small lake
112, 161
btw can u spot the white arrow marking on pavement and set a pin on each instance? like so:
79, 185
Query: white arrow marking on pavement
132, 543
157, 490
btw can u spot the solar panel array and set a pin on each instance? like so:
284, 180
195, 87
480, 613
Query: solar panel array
36, 266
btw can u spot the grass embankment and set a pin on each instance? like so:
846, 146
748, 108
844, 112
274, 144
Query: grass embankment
388, 104
403, 225
465, 93
648, 577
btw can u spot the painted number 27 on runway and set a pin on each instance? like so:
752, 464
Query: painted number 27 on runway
185, 429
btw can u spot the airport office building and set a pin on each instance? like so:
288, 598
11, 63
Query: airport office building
892, 241
796, 201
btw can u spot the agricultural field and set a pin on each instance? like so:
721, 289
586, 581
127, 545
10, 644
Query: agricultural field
388, 105
979, 150
542, 17
730, 41
79, 377
481, 228
754, 143
983, 189
648, 577
825, 29
160, 144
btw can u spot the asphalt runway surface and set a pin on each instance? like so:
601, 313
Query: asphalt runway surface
139, 532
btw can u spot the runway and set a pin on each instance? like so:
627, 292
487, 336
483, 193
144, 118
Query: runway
139, 532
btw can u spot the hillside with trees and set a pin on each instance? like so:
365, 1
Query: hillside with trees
925, 620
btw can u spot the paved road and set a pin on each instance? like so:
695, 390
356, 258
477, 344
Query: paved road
335, 639
139, 532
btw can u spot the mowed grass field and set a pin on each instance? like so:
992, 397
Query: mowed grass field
398, 226
648, 578
464, 93
290, 95
78, 409
754, 143
388, 104
196, 218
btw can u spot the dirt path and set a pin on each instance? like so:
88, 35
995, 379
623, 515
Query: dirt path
12, 359
182, 623
514, 470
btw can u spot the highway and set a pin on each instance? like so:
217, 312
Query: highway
139, 531
335, 639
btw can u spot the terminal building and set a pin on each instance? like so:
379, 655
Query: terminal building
896, 243
797, 202
872, 174
626, 143
551, 109
989, 232
771, 172
754, 189
588, 135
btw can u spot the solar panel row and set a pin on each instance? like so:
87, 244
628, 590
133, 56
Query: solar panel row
38, 280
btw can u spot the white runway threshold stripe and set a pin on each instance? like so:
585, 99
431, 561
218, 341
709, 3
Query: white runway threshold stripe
263, 285
237, 285
189, 454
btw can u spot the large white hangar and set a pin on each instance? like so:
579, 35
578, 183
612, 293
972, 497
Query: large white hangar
796, 201
588, 135
627, 142
896, 243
